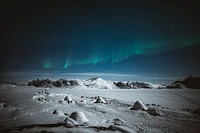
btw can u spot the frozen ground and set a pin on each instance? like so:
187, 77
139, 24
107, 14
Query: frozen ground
30, 109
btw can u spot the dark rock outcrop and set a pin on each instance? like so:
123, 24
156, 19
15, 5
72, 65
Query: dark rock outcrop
40, 83
57, 84
46, 83
132, 85
196, 111
137, 84
176, 86
192, 82
121, 85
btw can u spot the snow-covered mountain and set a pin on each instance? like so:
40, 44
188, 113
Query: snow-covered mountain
97, 83
192, 82
137, 85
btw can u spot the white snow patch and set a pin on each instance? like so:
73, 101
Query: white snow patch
99, 83
138, 105
79, 117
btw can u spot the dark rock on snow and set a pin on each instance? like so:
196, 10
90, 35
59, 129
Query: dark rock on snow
132, 85
40, 83
176, 86
46, 83
121, 85
196, 111
192, 82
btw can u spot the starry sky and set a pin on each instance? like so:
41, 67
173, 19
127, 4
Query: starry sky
155, 37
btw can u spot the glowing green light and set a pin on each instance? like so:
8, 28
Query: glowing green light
65, 65
117, 53
139, 51
96, 59
47, 65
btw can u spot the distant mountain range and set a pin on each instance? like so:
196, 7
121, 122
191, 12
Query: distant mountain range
192, 82
94, 83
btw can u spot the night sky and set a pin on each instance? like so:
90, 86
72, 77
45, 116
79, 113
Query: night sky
155, 37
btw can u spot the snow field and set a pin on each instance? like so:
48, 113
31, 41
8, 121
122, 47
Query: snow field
30, 109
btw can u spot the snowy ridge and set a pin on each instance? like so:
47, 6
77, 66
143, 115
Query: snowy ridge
99, 83
137, 85
93, 83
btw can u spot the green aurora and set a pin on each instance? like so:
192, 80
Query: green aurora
117, 53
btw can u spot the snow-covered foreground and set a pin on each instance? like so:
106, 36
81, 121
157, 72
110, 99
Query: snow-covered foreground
31, 109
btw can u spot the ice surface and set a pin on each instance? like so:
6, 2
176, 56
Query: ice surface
32, 109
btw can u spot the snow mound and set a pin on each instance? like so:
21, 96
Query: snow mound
59, 113
41, 98
100, 100
68, 99
153, 112
138, 105
70, 121
98, 83
78, 117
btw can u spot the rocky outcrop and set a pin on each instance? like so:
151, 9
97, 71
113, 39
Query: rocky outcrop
133, 85
40, 83
50, 83
121, 85
176, 86
96, 83
192, 82
100, 100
